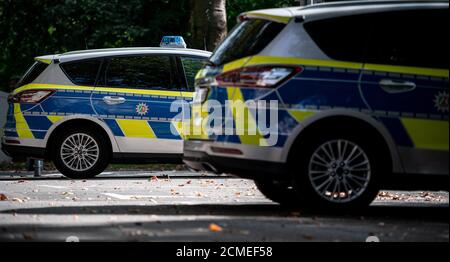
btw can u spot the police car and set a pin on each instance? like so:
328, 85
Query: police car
362, 101
85, 109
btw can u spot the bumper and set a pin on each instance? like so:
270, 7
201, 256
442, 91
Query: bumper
198, 159
22, 152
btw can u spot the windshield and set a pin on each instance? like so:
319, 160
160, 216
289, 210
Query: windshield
246, 39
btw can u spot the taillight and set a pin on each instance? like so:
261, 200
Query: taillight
257, 76
30, 96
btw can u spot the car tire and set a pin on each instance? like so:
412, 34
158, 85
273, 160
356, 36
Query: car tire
281, 192
80, 153
344, 180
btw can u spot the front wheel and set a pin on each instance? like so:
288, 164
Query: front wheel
338, 171
80, 153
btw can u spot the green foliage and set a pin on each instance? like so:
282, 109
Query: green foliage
29, 28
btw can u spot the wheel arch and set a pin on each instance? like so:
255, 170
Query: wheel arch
77, 121
349, 117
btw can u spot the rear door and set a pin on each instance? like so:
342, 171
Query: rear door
405, 83
134, 96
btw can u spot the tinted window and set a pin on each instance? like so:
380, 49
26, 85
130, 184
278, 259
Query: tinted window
35, 70
82, 73
341, 38
246, 39
411, 38
191, 66
147, 72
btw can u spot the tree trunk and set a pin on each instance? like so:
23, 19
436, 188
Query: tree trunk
208, 23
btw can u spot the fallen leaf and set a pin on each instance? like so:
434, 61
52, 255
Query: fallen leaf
215, 228
154, 178
17, 200
3, 197
189, 182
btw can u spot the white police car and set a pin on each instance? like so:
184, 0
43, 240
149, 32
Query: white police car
85, 109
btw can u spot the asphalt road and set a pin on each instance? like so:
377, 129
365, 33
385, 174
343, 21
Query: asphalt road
184, 206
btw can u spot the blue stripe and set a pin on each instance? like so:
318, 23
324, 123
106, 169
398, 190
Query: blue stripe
162, 130
112, 124
38, 122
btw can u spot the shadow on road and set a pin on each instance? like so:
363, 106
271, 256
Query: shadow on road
106, 177
436, 213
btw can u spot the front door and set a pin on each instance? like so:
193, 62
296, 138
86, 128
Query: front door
405, 83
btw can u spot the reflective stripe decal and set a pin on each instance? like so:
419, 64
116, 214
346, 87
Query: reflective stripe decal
247, 119
300, 115
272, 17
260, 60
105, 89
22, 128
427, 134
235, 64
408, 70
54, 119
136, 128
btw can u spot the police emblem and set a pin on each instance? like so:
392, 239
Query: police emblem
142, 109
441, 101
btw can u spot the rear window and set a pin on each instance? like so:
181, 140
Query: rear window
146, 72
191, 66
83, 73
410, 38
342, 38
246, 39
35, 70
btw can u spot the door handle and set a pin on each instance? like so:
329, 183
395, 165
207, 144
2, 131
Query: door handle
393, 86
113, 100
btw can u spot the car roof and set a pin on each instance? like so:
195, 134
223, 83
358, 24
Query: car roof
96, 53
336, 9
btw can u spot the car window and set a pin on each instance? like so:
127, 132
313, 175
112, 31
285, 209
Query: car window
410, 38
342, 38
246, 39
147, 72
191, 65
83, 73
33, 72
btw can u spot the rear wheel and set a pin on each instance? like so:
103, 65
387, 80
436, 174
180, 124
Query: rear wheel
338, 171
281, 192
80, 153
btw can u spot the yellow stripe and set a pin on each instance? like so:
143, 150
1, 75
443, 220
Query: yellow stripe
276, 18
179, 127
105, 89
408, 70
136, 128
235, 64
300, 115
45, 61
248, 120
22, 128
261, 60
54, 119
427, 134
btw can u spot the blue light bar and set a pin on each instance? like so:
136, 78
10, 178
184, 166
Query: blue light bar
172, 41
